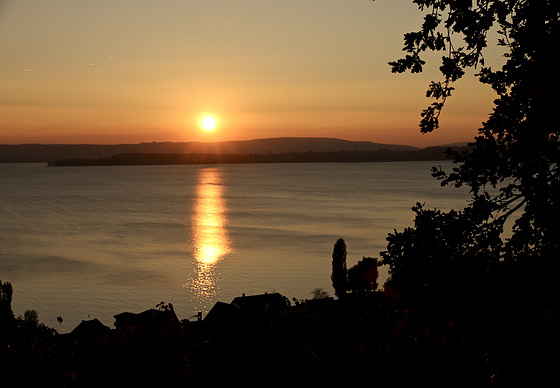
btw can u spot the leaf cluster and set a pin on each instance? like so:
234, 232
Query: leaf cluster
444, 251
516, 154
443, 21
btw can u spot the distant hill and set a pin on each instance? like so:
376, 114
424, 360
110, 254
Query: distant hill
51, 152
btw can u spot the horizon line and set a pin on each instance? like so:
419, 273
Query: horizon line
232, 141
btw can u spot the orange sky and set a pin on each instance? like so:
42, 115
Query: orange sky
129, 71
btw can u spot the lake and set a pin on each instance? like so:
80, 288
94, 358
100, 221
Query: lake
92, 242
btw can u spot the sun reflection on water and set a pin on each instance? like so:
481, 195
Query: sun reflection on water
210, 240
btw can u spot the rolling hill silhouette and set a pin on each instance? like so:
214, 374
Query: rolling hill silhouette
50, 152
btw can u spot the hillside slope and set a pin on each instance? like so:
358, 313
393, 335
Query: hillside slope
46, 152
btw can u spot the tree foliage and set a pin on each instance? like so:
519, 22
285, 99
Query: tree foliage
319, 293
363, 276
6, 313
31, 318
444, 251
6, 293
360, 278
339, 274
512, 167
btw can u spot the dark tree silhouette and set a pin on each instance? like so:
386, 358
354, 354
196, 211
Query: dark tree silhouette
339, 274
7, 319
319, 293
444, 253
6, 293
512, 167
363, 276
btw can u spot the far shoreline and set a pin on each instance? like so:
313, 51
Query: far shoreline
135, 159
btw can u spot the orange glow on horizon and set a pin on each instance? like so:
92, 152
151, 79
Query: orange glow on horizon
128, 85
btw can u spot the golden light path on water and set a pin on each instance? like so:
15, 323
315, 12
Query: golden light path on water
210, 240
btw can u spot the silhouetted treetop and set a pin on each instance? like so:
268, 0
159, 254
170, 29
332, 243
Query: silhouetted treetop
339, 274
363, 276
528, 31
517, 151
7, 319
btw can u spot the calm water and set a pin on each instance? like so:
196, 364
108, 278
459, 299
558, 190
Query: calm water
92, 242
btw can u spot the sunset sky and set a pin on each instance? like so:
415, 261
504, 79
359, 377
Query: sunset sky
130, 71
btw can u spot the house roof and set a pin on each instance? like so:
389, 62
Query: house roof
89, 328
259, 303
220, 312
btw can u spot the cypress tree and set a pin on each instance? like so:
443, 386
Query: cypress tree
339, 274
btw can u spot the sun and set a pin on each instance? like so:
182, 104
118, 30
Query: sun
208, 123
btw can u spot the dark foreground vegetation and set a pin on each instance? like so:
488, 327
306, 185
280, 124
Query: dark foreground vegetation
498, 332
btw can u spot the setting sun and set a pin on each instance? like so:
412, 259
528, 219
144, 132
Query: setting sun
208, 123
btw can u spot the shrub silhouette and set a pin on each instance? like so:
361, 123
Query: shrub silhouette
363, 276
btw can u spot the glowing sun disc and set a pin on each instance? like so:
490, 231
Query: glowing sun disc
208, 123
